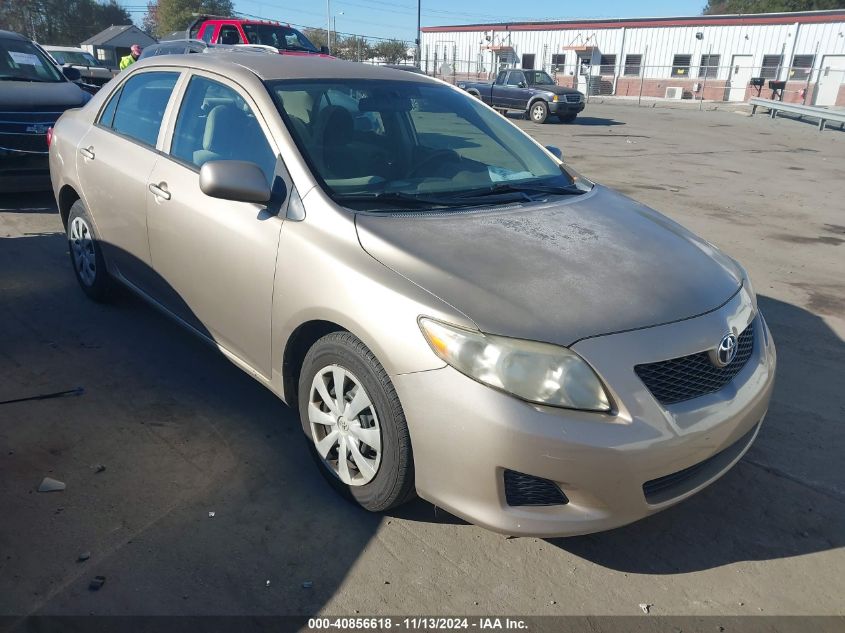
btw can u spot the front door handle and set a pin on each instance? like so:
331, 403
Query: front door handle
87, 152
160, 190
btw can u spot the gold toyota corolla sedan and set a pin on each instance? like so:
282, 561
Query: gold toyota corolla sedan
455, 312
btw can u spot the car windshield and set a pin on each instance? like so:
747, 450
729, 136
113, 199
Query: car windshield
373, 142
539, 78
77, 58
21, 61
281, 37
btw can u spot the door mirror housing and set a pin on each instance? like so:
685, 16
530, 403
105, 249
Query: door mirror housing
324, 50
234, 180
71, 73
555, 151
521, 84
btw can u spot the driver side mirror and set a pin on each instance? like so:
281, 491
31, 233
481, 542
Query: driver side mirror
555, 151
324, 50
521, 84
72, 74
237, 180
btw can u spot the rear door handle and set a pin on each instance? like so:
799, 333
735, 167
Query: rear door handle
87, 152
160, 190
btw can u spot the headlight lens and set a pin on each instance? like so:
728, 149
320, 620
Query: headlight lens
555, 98
537, 372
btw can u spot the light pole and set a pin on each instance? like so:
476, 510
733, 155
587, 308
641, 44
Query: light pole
334, 26
329, 25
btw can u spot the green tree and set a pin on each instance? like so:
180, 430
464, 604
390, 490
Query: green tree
715, 7
391, 51
60, 22
166, 16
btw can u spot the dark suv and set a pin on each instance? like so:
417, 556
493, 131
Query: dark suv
33, 94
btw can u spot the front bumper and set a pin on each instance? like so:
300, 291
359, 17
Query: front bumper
465, 435
563, 107
23, 171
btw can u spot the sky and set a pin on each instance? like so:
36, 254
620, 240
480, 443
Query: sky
398, 18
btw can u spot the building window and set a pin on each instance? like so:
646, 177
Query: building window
101, 54
680, 65
558, 61
633, 64
709, 67
771, 65
802, 65
608, 65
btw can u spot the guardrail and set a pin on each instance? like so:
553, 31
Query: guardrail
822, 114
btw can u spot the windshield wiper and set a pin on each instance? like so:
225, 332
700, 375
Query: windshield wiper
448, 200
525, 188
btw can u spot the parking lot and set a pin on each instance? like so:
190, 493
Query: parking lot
183, 433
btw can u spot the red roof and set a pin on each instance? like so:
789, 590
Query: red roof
805, 17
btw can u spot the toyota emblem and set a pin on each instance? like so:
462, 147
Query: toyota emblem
726, 352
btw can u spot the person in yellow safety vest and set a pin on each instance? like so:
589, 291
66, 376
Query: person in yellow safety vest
135, 53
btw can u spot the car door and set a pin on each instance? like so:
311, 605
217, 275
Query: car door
216, 259
114, 162
518, 85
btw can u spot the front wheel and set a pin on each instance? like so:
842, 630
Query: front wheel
355, 422
538, 112
86, 256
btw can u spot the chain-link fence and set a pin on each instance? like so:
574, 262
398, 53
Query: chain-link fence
823, 86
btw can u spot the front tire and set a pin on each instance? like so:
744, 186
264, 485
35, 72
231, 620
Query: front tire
86, 256
538, 112
355, 424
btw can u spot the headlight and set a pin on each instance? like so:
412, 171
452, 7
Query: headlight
537, 372
555, 98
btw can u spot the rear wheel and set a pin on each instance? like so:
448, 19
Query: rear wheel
355, 422
86, 256
538, 112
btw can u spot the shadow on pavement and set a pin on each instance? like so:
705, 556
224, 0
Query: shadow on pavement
580, 120
776, 503
182, 434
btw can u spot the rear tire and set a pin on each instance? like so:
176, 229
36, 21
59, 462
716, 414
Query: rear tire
86, 256
358, 437
538, 112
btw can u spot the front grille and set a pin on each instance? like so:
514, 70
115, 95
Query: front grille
573, 98
26, 131
689, 377
670, 486
527, 490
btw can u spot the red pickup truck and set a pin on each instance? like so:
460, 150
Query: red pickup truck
226, 30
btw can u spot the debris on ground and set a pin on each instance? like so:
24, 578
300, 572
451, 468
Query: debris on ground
645, 607
307, 584
47, 396
268, 583
211, 514
48, 484
83, 556
96, 583
98, 468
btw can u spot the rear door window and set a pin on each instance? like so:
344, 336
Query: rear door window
138, 109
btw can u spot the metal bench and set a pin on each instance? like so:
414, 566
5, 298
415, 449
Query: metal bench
822, 114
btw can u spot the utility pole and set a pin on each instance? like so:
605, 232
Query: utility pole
418, 52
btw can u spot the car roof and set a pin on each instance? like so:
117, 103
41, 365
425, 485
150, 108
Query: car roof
11, 35
271, 67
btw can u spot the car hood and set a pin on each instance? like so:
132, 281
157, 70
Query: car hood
33, 96
555, 90
556, 272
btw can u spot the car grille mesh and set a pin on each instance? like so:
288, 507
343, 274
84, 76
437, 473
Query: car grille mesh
527, 490
689, 377
572, 98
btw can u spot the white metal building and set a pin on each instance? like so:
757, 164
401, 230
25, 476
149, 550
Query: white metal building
710, 57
